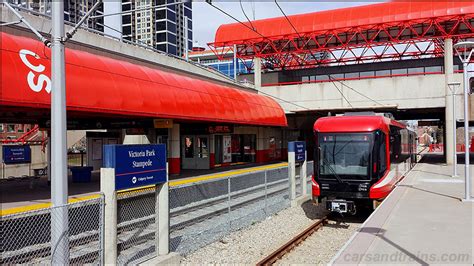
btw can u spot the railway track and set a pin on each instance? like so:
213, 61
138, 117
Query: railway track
288, 246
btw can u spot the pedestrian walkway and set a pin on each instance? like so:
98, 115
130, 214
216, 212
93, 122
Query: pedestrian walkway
423, 221
21, 196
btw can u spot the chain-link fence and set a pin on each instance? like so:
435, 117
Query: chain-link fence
136, 227
204, 212
26, 237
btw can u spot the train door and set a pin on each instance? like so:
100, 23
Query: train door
195, 152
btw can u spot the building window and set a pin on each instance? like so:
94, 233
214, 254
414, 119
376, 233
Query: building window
10, 128
20, 128
1, 128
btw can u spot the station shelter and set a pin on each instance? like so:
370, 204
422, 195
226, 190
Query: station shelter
205, 123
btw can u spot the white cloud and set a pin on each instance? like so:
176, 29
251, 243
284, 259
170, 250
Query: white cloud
206, 19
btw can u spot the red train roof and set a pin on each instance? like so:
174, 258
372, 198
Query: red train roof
342, 18
101, 85
355, 124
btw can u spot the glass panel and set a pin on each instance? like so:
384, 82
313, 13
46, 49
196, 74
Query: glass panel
433, 69
10, 128
367, 74
188, 147
236, 149
415, 70
382, 73
202, 147
399, 71
344, 155
249, 147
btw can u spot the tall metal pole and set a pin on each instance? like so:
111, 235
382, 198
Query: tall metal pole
59, 192
466, 133
455, 159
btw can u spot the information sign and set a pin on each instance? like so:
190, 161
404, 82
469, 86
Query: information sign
15, 154
136, 165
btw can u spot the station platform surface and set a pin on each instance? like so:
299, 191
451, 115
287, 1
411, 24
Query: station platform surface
423, 221
18, 196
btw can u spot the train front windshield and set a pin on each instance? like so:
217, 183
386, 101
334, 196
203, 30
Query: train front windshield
344, 156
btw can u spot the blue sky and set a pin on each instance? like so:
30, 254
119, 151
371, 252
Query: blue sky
207, 19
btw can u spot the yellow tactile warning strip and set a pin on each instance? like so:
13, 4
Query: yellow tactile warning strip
174, 183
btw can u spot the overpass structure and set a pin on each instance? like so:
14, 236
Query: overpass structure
394, 56
133, 90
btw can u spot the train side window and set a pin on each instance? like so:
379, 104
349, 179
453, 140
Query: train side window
382, 155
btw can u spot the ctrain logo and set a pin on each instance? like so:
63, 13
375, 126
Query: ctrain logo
42, 81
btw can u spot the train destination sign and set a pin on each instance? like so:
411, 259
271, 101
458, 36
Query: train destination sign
136, 165
15, 154
299, 148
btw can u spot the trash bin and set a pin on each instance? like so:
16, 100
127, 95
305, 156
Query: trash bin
81, 174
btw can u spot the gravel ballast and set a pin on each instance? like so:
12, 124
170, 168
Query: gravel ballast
251, 244
321, 246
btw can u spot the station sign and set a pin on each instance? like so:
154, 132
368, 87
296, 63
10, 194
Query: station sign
220, 129
163, 123
16, 154
299, 148
136, 165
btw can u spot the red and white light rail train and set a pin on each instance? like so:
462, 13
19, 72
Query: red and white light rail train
359, 158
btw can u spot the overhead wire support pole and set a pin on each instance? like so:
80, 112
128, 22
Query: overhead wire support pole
22, 19
464, 51
71, 32
59, 177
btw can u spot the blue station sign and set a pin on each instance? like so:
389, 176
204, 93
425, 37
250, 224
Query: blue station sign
299, 148
136, 165
15, 154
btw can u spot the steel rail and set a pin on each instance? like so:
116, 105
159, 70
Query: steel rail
288, 246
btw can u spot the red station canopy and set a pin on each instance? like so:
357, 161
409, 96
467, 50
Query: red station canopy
99, 85
342, 18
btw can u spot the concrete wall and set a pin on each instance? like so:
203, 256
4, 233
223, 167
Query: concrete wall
403, 92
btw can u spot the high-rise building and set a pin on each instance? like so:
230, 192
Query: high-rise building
157, 23
162, 26
74, 10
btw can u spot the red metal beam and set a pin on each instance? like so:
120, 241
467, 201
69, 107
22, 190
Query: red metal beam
418, 38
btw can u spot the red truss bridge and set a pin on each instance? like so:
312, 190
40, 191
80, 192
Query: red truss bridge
364, 34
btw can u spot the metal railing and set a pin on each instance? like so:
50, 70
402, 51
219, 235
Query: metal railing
26, 237
358, 77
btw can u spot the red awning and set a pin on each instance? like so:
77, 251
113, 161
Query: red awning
101, 85
342, 18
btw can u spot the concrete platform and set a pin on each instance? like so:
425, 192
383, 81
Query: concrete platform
423, 221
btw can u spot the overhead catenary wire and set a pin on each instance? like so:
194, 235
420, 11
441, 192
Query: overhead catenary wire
330, 78
243, 11
342, 94
354, 90
293, 26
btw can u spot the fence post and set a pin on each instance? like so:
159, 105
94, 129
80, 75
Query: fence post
266, 193
292, 174
228, 201
303, 176
163, 219
107, 187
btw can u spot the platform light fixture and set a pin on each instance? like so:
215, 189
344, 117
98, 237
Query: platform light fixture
464, 51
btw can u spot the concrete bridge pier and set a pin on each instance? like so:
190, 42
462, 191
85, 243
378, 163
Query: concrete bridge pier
449, 150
